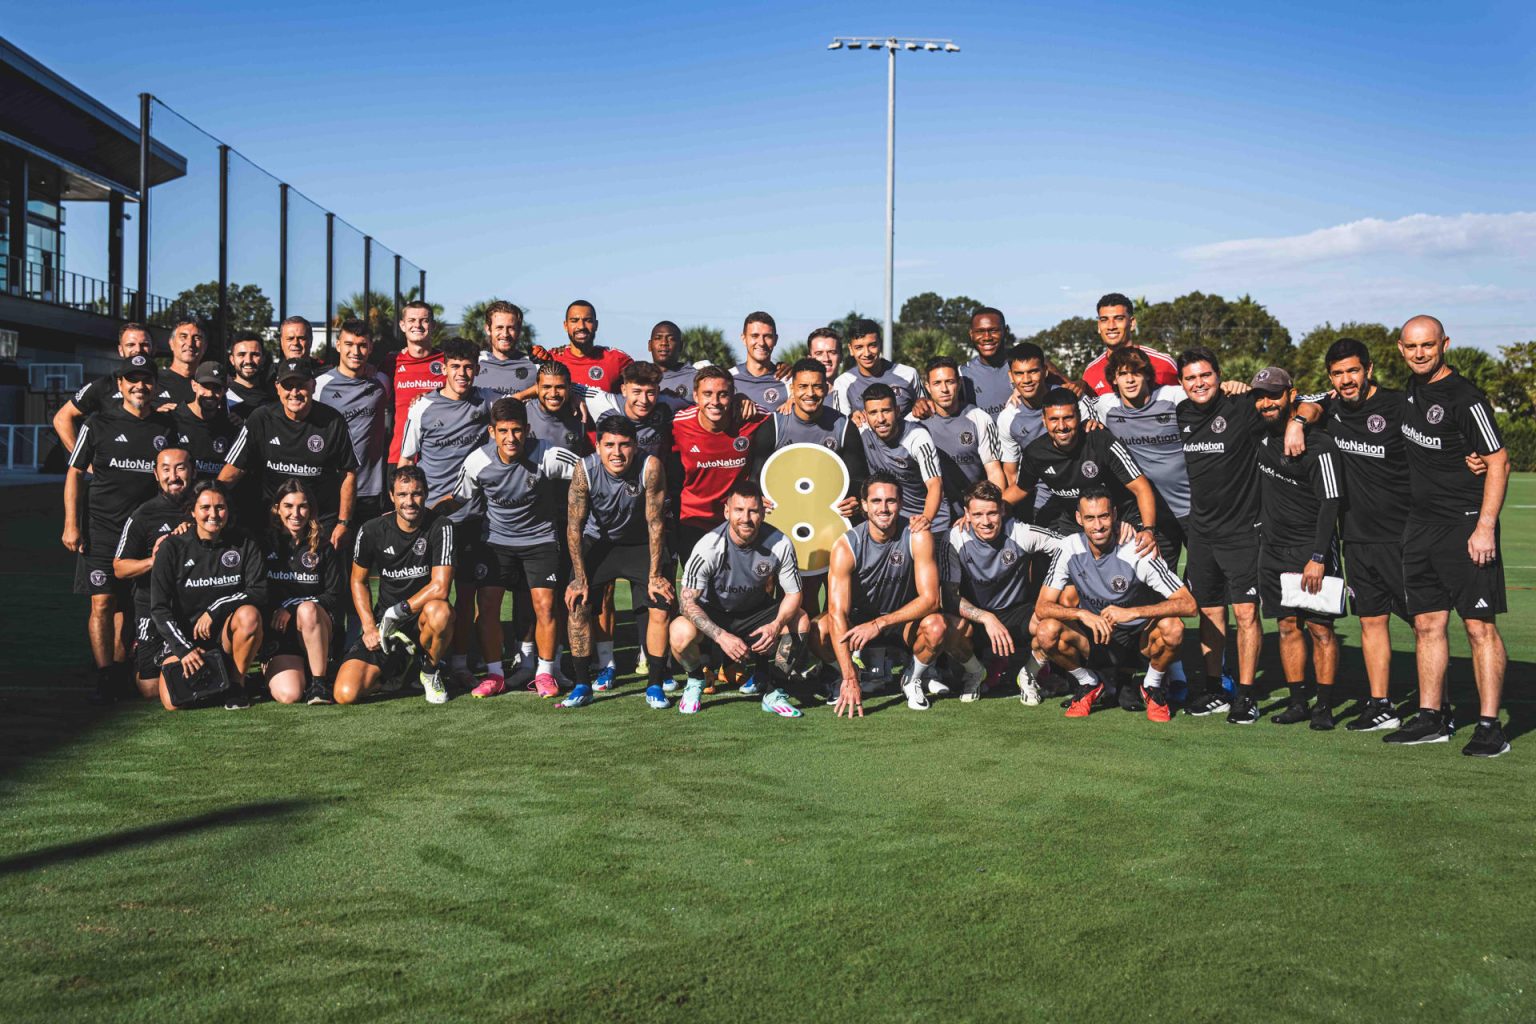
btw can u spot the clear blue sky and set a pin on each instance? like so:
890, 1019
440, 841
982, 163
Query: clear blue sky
698, 161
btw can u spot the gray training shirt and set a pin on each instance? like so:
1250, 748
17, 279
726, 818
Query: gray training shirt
995, 574
766, 390
503, 377
1151, 434
987, 387
441, 432
884, 577
739, 580
847, 392
1120, 576
616, 504
516, 515
365, 402
914, 460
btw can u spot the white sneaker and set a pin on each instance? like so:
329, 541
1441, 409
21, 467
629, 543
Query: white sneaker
936, 687
970, 688
914, 692
433, 686
1029, 688
777, 703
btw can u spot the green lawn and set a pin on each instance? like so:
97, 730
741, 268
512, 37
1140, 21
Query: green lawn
501, 860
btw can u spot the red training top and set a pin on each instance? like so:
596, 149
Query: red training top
1164, 369
712, 463
412, 378
598, 371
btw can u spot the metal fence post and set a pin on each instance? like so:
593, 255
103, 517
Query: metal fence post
423, 286
141, 307
394, 327
367, 276
223, 247
330, 268
282, 251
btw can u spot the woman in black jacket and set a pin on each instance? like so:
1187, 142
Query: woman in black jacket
206, 590
304, 595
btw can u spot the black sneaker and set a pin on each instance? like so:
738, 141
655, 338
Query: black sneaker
1213, 703
1053, 683
1376, 715
1487, 741
318, 693
1424, 727
1130, 698
105, 690
1244, 712
1295, 711
1322, 717
237, 699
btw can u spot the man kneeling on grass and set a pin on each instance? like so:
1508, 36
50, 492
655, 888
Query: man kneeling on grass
412, 551
1116, 616
741, 590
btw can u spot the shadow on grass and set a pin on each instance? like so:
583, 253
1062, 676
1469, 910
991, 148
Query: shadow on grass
242, 814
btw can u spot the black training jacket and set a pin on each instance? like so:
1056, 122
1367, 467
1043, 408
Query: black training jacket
192, 576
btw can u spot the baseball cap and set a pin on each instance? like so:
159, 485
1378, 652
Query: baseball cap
138, 366
1272, 379
294, 369
211, 374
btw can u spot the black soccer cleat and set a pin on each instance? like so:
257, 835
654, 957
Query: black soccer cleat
237, 699
1295, 711
1424, 727
1487, 741
1245, 711
1213, 703
1375, 716
1322, 717
318, 693
1130, 698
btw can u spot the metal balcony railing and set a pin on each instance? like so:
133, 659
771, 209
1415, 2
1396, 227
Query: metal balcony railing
57, 287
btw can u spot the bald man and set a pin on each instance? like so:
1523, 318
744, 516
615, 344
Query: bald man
1451, 544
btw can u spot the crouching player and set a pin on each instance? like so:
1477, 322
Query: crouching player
206, 591
883, 585
1116, 614
412, 551
987, 580
741, 590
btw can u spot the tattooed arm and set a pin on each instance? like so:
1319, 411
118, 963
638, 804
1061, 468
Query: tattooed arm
575, 522
656, 525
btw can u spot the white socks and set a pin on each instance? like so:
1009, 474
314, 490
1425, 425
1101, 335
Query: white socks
604, 657
1154, 677
546, 667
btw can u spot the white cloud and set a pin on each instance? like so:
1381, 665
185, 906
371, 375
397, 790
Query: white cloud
1421, 234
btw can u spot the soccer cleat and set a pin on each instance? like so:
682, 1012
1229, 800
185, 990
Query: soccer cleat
1052, 683
1213, 703
693, 697
604, 681
1487, 741
1157, 704
318, 693
669, 685
642, 663
777, 703
1376, 715
1424, 727
656, 697
971, 686
432, 686
1322, 717
913, 689
1245, 711
1130, 698
105, 691
937, 687
491, 686
237, 699
996, 669
579, 697
750, 688
1295, 711
1081, 704
1029, 687
545, 686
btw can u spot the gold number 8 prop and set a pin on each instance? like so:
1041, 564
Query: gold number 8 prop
805, 482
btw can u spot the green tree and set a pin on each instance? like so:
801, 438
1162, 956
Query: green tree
249, 310
1516, 384
1232, 329
920, 344
844, 325
932, 311
1479, 367
1071, 344
472, 323
704, 342
378, 310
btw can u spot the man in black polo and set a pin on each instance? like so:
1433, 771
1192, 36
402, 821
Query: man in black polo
165, 514
1451, 556
204, 427
248, 388
118, 447
300, 438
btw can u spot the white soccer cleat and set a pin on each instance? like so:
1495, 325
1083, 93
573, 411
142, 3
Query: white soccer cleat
913, 689
432, 686
1029, 687
970, 686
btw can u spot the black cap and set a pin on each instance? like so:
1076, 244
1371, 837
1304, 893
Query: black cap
294, 369
138, 366
1272, 380
211, 374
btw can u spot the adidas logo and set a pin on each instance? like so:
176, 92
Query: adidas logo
1186, 430
551, 578
1051, 470
187, 564
1480, 603
122, 438
694, 450
1252, 591
165, 527
389, 550
274, 441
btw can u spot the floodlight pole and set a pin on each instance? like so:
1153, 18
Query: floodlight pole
891, 44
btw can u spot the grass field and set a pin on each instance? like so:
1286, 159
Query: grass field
501, 860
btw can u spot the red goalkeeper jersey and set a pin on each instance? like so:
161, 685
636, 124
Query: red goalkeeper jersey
413, 378
711, 463
596, 372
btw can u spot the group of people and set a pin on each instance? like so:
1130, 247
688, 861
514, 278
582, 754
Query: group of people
1003, 520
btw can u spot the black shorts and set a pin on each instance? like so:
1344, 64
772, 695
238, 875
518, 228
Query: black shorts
515, 569
93, 568
147, 647
215, 642
1124, 647
366, 507
1274, 560
1223, 571
1374, 571
1016, 621
410, 626
607, 562
1438, 576
1170, 536
742, 625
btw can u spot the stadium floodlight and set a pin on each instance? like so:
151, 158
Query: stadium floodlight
891, 44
